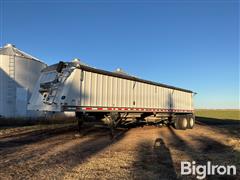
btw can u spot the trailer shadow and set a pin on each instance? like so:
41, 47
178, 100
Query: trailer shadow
27, 138
67, 154
155, 158
80, 153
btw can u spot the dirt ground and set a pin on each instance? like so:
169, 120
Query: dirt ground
147, 152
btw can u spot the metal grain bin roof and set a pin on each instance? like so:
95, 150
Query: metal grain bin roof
11, 50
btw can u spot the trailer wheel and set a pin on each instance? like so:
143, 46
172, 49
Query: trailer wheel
176, 123
181, 123
191, 122
184, 123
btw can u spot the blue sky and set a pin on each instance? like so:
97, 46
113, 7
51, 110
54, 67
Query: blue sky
189, 44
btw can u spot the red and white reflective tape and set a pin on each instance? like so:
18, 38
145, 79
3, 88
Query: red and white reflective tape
131, 109
77, 108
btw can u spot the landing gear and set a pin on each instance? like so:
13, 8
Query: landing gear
80, 118
80, 123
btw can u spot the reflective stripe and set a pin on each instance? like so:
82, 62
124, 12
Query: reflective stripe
126, 109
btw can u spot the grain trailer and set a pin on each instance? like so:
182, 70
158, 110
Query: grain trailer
113, 97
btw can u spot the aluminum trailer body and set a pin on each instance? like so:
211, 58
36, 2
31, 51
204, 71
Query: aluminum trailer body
86, 90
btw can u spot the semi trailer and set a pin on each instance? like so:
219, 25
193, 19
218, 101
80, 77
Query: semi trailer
116, 98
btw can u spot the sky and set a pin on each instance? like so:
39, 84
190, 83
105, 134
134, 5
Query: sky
191, 44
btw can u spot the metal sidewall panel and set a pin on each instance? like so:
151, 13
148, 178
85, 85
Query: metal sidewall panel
91, 89
98, 90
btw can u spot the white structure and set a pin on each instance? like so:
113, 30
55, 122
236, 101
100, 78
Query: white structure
19, 72
73, 86
113, 97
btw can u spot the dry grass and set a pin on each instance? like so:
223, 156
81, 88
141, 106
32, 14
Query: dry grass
58, 151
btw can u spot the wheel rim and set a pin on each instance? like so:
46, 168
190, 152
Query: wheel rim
191, 122
184, 122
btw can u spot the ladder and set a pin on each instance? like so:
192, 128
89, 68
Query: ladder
11, 83
12, 67
53, 98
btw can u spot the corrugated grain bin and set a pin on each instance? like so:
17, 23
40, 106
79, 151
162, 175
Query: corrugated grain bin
19, 72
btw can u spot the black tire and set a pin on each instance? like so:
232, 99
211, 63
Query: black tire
181, 123
176, 123
191, 122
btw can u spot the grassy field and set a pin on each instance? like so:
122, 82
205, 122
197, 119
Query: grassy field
219, 114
